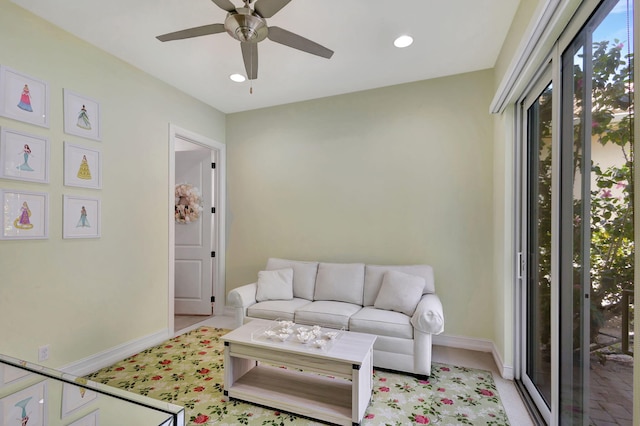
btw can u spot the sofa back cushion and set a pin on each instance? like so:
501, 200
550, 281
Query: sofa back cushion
342, 282
374, 275
304, 275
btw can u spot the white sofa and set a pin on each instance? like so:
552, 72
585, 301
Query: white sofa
396, 303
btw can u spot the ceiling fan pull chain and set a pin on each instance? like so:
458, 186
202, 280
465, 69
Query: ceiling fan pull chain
253, 46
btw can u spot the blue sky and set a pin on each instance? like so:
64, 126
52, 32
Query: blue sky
614, 25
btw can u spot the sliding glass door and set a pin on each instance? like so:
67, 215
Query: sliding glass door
537, 290
577, 246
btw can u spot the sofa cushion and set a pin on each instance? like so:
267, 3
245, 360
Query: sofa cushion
342, 282
375, 273
275, 285
399, 292
304, 275
381, 322
276, 309
326, 313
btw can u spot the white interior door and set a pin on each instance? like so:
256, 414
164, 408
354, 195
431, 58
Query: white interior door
193, 241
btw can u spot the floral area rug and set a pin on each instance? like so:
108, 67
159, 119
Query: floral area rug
188, 371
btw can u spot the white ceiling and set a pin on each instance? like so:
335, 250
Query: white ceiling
451, 37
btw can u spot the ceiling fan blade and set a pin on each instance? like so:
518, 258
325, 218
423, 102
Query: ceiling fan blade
268, 8
225, 5
250, 57
290, 39
193, 32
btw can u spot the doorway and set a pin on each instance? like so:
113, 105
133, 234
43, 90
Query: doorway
196, 228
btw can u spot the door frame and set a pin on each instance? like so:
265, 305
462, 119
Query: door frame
546, 75
218, 227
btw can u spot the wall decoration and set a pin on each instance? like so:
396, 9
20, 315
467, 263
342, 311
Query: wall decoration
81, 217
25, 215
82, 166
91, 419
188, 203
24, 156
81, 116
9, 374
26, 407
23, 98
75, 397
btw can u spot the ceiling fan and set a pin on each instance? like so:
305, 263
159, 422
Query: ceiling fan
249, 26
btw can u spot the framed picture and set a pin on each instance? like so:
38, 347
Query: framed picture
81, 116
9, 374
82, 166
25, 215
24, 156
81, 217
23, 98
28, 406
91, 419
75, 397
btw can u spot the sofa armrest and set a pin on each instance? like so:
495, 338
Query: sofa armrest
428, 317
243, 296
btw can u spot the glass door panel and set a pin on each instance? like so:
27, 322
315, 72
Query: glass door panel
596, 210
537, 293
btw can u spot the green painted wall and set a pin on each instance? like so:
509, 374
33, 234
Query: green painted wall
86, 296
397, 175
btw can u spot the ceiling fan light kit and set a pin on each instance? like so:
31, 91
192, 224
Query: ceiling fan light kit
249, 27
244, 25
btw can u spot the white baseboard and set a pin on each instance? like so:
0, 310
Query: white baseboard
480, 345
111, 356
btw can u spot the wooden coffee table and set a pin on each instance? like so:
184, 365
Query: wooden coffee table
340, 394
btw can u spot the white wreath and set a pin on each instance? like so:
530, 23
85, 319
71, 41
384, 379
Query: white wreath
188, 203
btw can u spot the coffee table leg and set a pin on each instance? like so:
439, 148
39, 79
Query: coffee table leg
234, 368
362, 386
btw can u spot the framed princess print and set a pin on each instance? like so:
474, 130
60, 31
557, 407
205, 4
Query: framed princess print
75, 397
24, 156
81, 116
91, 419
81, 217
25, 215
23, 97
82, 166
26, 407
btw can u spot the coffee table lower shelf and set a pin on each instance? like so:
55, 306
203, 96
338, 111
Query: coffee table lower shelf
309, 395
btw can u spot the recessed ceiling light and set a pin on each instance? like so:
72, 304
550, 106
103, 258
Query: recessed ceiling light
403, 41
238, 78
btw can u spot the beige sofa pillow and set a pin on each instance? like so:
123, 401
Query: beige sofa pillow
304, 275
275, 285
399, 292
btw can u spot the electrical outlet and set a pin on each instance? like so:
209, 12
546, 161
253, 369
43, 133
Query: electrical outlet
43, 353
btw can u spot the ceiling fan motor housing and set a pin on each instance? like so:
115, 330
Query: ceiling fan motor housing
246, 26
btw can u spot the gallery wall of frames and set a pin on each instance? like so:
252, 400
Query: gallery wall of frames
26, 156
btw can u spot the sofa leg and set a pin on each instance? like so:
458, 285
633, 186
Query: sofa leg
422, 377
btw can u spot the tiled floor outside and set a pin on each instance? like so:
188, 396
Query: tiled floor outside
611, 387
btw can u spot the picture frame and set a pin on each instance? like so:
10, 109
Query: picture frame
81, 116
81, 217
82, 166
75, 397
24, 156
25, 215
23, 97
91, 419
10, 374
30, 402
